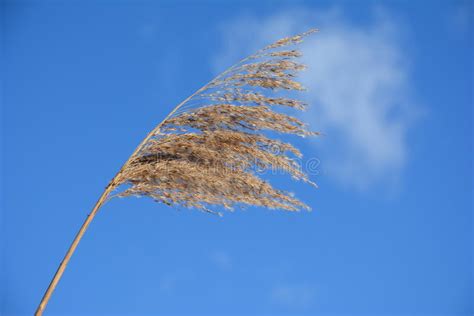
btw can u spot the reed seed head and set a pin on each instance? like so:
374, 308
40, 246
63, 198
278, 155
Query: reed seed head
210, 150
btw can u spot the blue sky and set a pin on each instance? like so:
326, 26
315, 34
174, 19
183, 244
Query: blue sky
391, 229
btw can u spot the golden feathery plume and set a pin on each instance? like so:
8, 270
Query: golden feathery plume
205, 153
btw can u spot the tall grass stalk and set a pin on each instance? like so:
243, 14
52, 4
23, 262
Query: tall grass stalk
205, 153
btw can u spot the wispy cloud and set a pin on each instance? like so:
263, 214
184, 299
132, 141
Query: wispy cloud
459, 18
358, 86
222, 260
293, 296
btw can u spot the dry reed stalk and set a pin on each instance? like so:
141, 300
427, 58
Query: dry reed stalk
206, 150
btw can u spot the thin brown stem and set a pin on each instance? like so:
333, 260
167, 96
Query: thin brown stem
72, 248
112, 185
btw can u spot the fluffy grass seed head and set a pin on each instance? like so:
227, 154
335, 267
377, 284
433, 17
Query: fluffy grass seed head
207, 151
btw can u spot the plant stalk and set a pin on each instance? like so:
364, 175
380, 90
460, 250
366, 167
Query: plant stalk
112, 185
72, 248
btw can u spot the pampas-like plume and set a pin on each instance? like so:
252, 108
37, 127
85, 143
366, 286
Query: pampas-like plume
207, 150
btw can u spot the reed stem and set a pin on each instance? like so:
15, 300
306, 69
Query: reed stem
112, 185
72, 248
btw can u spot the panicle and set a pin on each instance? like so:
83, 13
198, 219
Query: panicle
211, 150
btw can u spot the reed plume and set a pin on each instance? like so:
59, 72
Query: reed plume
205, 153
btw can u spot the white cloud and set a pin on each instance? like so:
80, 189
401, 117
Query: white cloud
458, 18
295, 296
358, 87
222, 260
